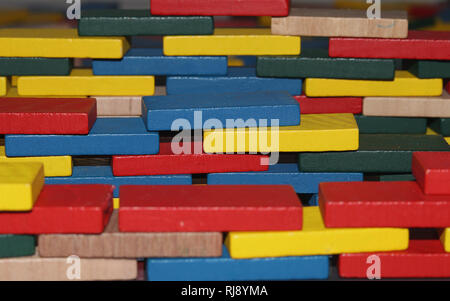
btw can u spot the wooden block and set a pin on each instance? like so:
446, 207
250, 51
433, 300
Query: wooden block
60, 166
238, 79
240, 41
12, 93
390, 125
423, 259
408, 106
35, 268
109, 106
282, 174
316, 133
206, 269
431, 69
447, 139
114, 244
192, 161
220, 7
445, 239
108, 136
160, 112
327, 105
209, 208
104, 175
116, 203
74, 209
58, 43
441, 125
315, 63
34, 66
151, 61
341, 23
315, 239
83, 82
397, 177
127, 22
17, 245
47, 116
13, 16
404, 84
432, 171
4, 86
419, 45
447, 87
20, 185
384, 153
382, 204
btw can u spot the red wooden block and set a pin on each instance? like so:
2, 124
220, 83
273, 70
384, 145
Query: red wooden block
430, 45
432, 171
424, 258
47, 115
447, 86
74, 209
227, 22
208, 208
382, 204
327, 105
220, 7
168, 163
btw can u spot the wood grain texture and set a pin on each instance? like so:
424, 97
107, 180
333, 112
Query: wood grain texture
432, 171
35, 268
114, 244
408, 106
340, 23
427, 45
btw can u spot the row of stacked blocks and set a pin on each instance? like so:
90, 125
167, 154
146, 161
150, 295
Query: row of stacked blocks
269, 234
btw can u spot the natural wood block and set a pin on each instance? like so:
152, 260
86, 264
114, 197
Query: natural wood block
114, 244
408, 106
35, 268
341, 23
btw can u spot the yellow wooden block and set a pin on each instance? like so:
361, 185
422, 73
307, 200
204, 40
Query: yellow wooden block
54, 166
315, 239
116, 202
447, 139
233, 41
8, 17
445, 239
235, 62
316, 133
83, 82
404, 84
59, 42
12, 92
20, 185
14, 80
430, 131
4, 85
265, 21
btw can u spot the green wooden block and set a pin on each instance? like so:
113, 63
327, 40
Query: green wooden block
382, 153
441, 125
397, 177
431, 69
390, 125
315, 63
17, 245
120, 22
34, 66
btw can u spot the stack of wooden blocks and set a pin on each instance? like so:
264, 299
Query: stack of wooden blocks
149, 136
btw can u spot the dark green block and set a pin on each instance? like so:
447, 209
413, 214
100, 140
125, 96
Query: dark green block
416, 24
34, 66
390, 125
441, 125
397, 177
315, 63
383, 153
17, 245
120, 22
431, 69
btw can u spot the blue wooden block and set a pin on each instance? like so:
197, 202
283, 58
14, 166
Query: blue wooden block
314, 200
108, 136
151, 61
161, 111
104, 175
239, 79
283, 173
227, 269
